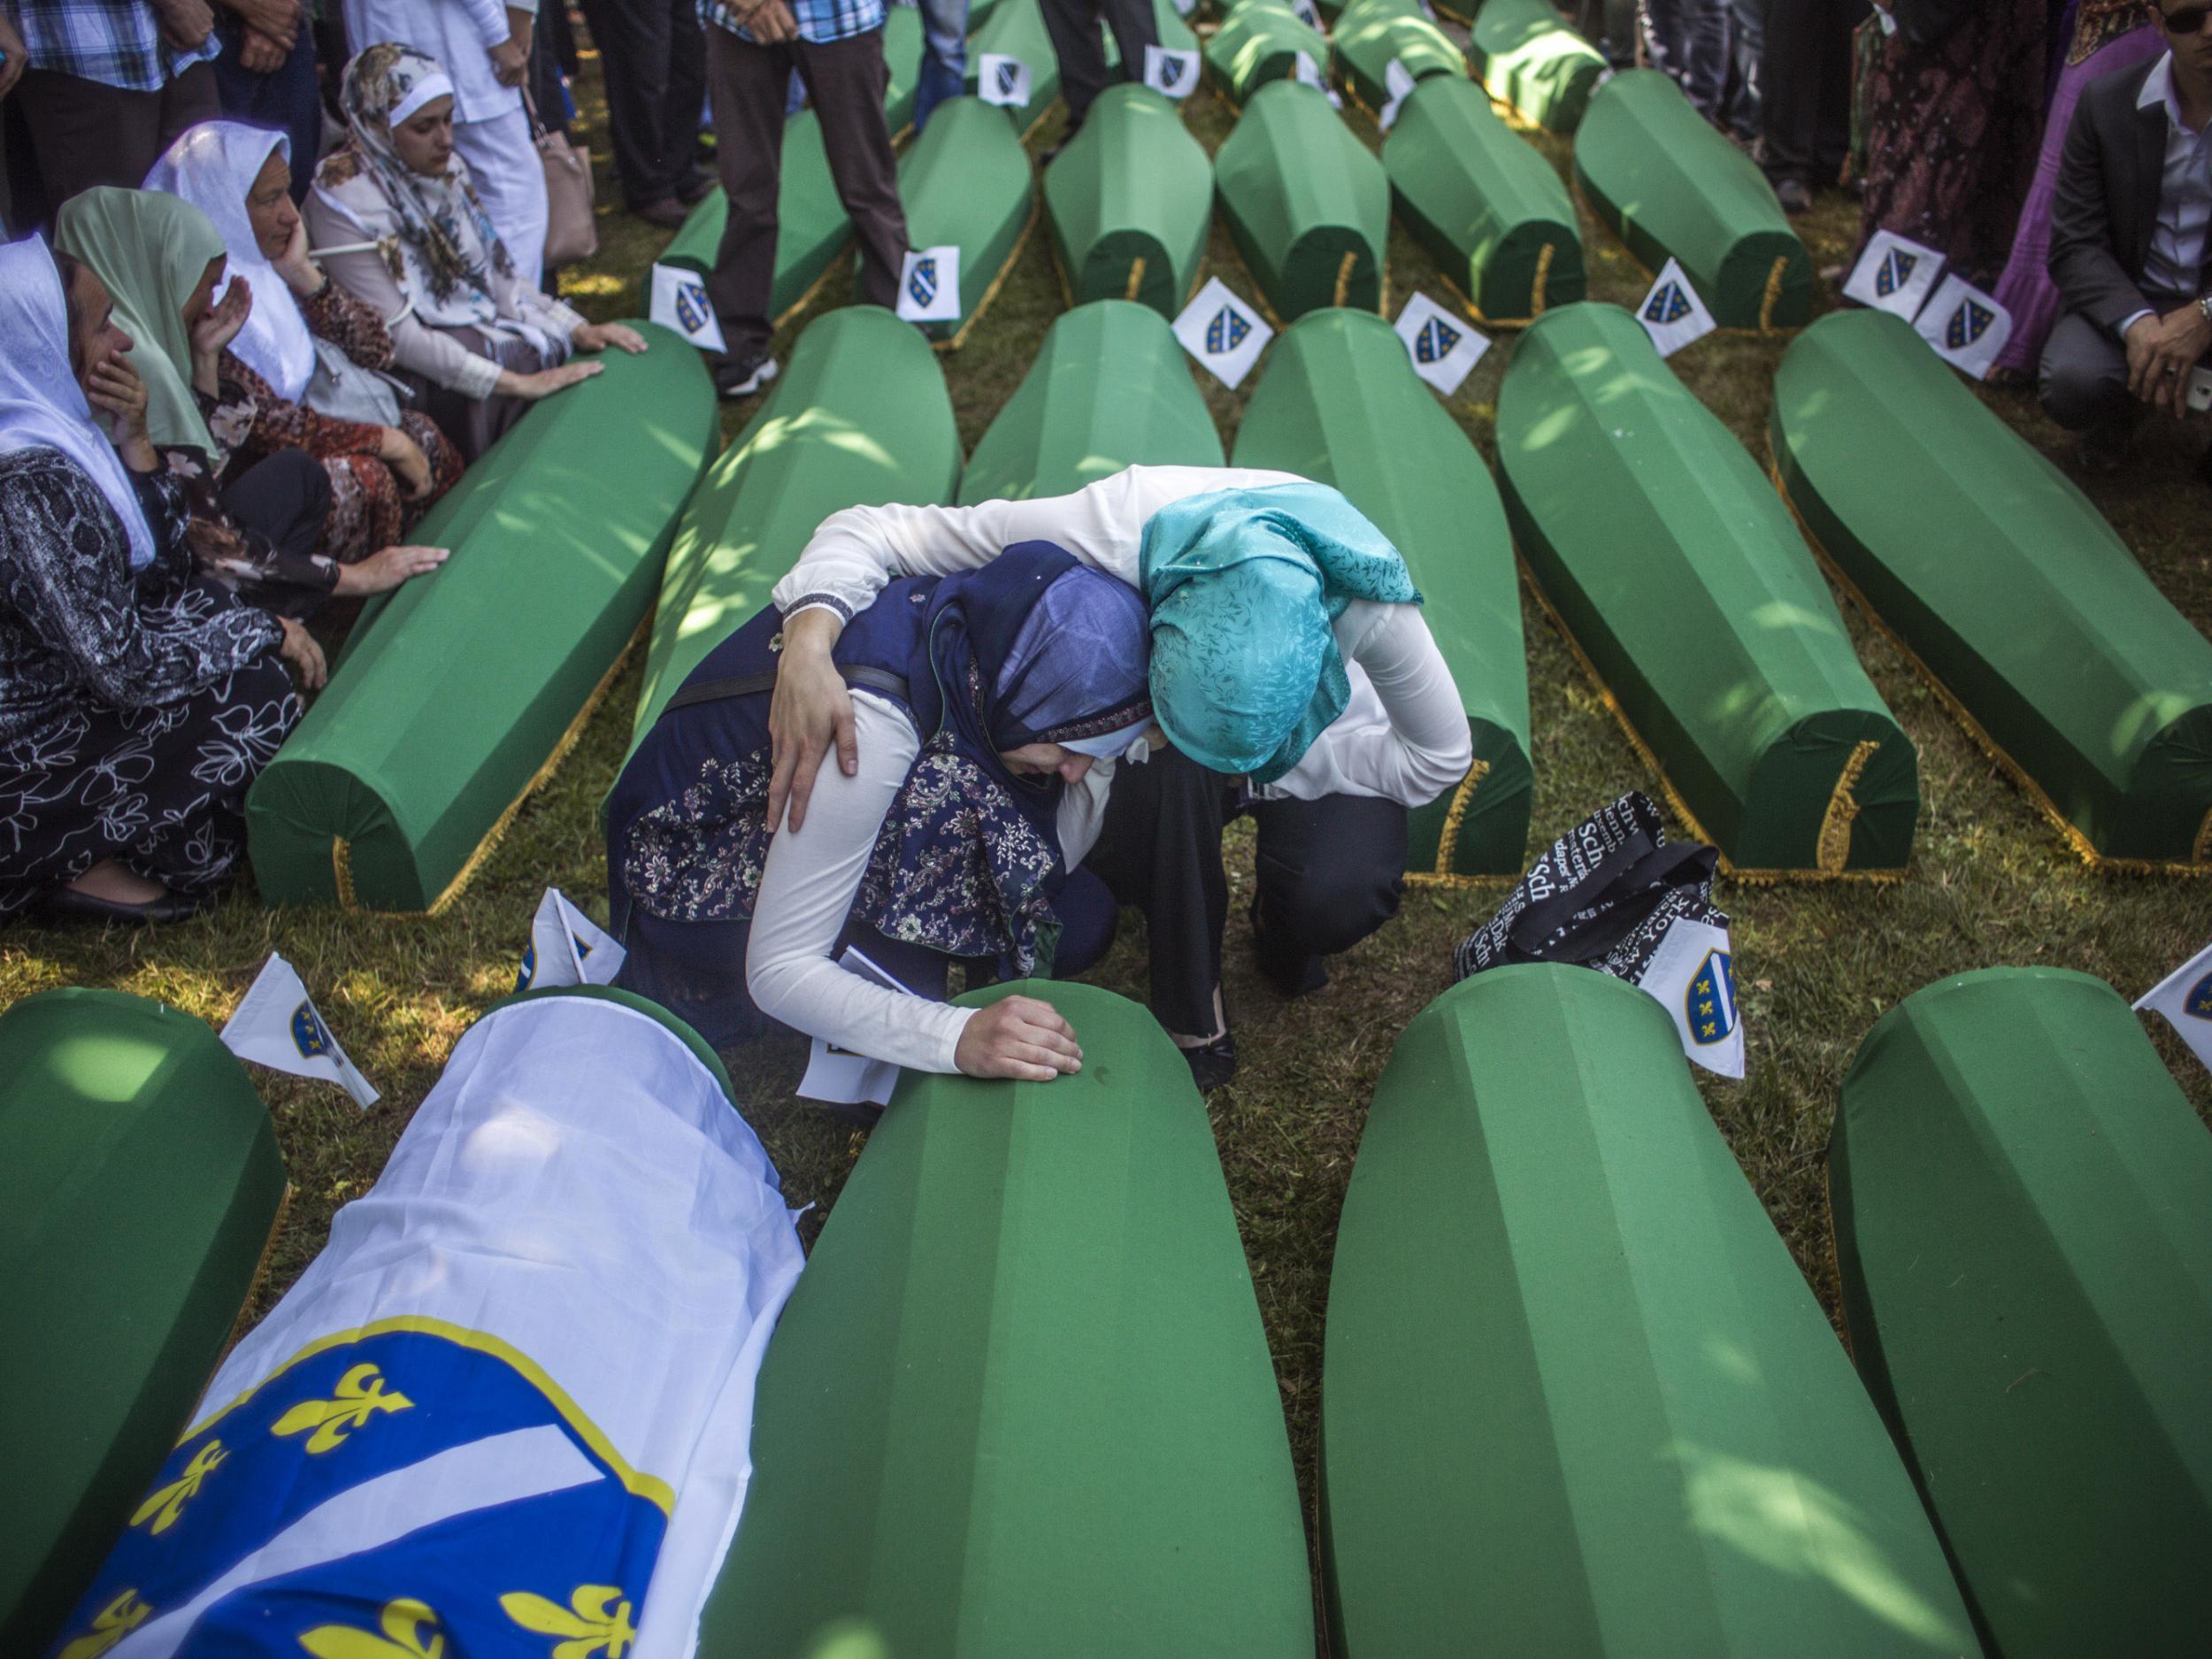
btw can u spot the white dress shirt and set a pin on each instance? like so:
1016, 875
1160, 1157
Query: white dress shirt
2175, 263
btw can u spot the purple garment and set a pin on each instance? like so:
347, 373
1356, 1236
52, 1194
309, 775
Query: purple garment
2026, 289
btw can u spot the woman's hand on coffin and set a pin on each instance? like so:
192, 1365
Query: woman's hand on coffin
386, 568
1020, 1038
599, 336
812, 709
545, 382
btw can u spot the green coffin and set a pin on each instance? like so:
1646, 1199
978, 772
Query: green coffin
454, 697
859, 416
966, 181
2023, 1205
139, 1184
1016, 28
1671, 186
1529, 60
1306, 203
1370, 35
1021, 1403
1576, 1396
2005, 584
1685, 586
1109, 388
1342, 405
1490, 210
1131, 200
1260, 40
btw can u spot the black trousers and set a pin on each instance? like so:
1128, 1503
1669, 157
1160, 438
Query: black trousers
1330, 873
2084, 378
655, 61
286, 497
85, 134
1076, 41
1805, 88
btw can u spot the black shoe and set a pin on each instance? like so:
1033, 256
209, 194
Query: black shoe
1794, 197
1212, 1064
742, 379
71, 904
694, 190
1300, 977
666, 214
1067, 137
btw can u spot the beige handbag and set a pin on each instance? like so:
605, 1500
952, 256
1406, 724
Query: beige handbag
571, 232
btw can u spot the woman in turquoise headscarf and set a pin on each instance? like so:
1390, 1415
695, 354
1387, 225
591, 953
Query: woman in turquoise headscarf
1293, 677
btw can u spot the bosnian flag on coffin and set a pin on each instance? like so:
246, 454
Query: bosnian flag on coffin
1895, 275
1444, 348
1171, 71
567, 948
2185, 998
1672, 313
929, 286
1967, 327
1003, 78
508, 1409
277, 1026
1398, 83
680, 302
1691, 974
1223, 333
1308, 73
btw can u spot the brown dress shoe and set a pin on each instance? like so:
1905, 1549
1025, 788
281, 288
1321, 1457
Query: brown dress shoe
668, 213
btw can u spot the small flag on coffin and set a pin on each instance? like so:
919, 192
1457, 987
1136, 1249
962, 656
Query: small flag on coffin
1895, 275
1966, 326
2185, 998
1223, 333
680, 302
1672, 313
1308, 74
1444, 348
1171, 72
1002, 79
929, 287
566, 948
1398, 83
1691, 976
277, 1026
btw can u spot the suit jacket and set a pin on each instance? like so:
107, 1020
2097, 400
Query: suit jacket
2109, 178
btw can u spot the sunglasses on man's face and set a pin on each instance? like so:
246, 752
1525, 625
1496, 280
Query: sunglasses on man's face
2188, 20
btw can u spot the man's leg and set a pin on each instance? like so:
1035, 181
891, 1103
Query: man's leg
633, 40
1664, 27
745, 85
511, 182
85, 134
1077, 43
1331, 873
1747, 43
944, 55
680, 105
846, 80
1134, 28
2084, 386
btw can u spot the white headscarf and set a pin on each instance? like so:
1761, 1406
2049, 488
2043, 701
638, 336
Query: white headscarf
213, 167
40, 403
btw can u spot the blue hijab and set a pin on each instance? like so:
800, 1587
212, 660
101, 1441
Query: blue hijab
1245, 586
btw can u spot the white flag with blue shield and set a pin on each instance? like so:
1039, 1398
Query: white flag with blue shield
1672, 314
1444, 347
277, 1026
2185, 998
929, 287
680, 302
1895, 275
1692, 974
1967, 327
1223, 333
1002, 79
567, 948
1171, 71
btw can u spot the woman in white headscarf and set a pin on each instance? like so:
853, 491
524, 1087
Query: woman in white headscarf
138, 698
395, 216
300, 375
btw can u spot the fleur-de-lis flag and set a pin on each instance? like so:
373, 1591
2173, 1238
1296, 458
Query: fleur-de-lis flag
1170, 71
1692, 974
276, 1025
1895, 275
680, 302
1967, 327
1223, 332
1002, 79
1672, 314
929, 286
1443, 346
2185, 998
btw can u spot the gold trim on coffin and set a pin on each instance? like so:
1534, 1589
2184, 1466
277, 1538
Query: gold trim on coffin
2201, 852
1766, 305
1447, 840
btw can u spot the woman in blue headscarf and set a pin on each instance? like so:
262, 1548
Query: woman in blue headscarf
992, 702
1292, 674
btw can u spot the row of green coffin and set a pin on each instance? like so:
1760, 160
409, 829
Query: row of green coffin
1680, 578
454, 692
2005, 583
1576, 1398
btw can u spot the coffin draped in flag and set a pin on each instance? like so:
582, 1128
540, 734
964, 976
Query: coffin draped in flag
1021, 1403
1342, 405
509, 1402
2005, 585
455, 693
2021, 1196
1015, 28
859, 416
1686, 589
140, 1181
1131, 200
1258, 41
1576, 1396
1671, 187
1306, 203
1489, 209
1528, 59
965, 182
1372, 34
1110, 389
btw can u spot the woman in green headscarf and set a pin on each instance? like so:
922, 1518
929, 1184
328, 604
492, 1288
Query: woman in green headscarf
162, 262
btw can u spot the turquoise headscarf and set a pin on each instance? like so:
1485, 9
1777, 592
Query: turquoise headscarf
1244, 587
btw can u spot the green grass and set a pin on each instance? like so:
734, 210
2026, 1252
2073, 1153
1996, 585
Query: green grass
1990, 882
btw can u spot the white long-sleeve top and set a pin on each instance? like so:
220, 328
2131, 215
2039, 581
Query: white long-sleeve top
459, 33
810, 879
1403, 735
